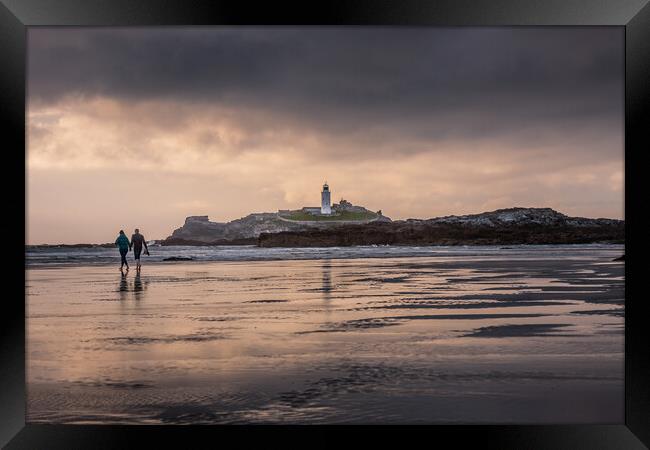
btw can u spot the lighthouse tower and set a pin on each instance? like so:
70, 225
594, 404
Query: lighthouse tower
325, 206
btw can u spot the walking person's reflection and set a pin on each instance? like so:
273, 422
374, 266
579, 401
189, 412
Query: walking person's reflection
124, 287
138, 287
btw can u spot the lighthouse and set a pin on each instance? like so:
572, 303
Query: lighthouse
325, 205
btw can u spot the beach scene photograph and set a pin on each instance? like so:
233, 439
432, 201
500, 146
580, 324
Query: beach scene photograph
325, 225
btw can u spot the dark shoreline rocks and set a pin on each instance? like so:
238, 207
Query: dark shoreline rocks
404, 233
178, 258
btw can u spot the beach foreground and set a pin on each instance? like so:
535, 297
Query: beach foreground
534, 336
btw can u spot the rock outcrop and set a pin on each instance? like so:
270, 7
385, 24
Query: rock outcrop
200, 229
504, 226
517, 216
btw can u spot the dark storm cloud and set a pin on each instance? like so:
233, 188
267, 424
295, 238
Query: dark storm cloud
430, 83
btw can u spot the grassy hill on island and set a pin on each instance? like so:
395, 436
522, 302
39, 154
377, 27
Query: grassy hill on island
341, 215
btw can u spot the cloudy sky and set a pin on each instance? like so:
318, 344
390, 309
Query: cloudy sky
143, 127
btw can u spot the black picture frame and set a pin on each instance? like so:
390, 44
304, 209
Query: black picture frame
17, 15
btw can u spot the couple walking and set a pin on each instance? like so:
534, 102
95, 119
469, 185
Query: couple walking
123, 244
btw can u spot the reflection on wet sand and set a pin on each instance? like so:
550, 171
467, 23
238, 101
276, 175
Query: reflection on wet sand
383, 340
137, 286
123, 287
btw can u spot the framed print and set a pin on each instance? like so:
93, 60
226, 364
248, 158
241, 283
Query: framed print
322, 218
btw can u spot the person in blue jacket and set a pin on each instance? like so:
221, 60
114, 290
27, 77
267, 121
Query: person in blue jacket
123, 244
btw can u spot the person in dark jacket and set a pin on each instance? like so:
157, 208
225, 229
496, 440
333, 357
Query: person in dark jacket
137, 241
123, 244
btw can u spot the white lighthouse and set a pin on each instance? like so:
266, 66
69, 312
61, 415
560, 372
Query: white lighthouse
325, 205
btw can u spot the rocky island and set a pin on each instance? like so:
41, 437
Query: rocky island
199, 230
500, 227
345, 224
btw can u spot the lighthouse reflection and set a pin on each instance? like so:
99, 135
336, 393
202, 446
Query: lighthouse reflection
327, 279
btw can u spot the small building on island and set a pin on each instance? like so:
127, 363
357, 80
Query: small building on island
311, 209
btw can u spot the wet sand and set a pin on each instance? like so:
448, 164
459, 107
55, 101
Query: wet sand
390, 340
